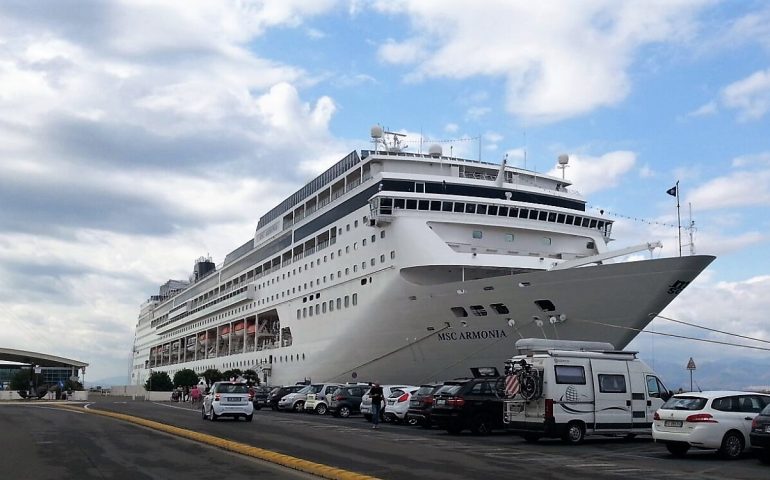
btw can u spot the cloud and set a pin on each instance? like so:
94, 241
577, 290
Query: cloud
704, 110
576, 61
589, 174
750, 96
737, 189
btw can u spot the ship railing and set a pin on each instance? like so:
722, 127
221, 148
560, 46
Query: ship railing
350, 186
310, 251
298, 256
323, 202
322, 245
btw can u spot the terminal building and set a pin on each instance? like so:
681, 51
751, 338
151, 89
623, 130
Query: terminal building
54, 370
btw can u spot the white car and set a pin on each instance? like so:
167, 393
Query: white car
397, 404
228, 399
387, 390
319, 402
719, 420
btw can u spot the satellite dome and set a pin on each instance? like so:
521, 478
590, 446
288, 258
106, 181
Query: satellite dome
435, 150
376, 131
563, 159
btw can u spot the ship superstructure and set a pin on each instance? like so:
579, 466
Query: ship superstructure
408, 267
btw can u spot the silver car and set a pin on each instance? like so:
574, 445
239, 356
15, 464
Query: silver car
228, 399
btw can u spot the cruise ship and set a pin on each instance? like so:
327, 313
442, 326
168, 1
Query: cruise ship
398, 266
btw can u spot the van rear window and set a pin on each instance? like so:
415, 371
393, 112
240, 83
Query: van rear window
570, 374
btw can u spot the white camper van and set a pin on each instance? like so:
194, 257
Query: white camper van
572, 389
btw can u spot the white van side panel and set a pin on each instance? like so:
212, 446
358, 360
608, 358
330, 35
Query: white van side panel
612, 395
571, 389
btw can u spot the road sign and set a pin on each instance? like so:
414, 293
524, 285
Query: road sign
691, 364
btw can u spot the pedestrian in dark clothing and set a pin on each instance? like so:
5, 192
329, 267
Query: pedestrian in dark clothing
187, 393
376, 395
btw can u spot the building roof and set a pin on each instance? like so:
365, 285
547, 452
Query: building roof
42, 359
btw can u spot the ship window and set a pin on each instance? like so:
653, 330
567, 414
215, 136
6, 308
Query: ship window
560, 218
499, 308
347, 248
331, 277
585, 222
382, 258
459, 312
339, 303
570, 219
543, 216
355, 245
355, 268
411, 204
331, 305
546, 240
374, 238
545, 305
419, 187
590, 245
355, 299
446, 206
339, 273
435, 205
470, 208
459, 207
347, 301
481, 209
363, 265
492, 210
533, 214
509, 237
477, 234
317, 309
570, 374
363, 242
382, 234
523, 213
423, 205
392, 254
398, 203
355, 224
347, 271
372, 262
478, 310
310, 311
347, 227
317, 295
551, 216
339, 252
323, 307
502, 211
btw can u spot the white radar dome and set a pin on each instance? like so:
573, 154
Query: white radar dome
377, 131
435, 151
563, 159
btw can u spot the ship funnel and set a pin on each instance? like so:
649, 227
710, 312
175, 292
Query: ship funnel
501, 173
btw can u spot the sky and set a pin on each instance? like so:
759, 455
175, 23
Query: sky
137, 136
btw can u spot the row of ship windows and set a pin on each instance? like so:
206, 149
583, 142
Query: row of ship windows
387, 205
319, 281
323, 259
480, 311
321, 308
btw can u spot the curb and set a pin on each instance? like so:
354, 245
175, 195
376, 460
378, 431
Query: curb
288, 461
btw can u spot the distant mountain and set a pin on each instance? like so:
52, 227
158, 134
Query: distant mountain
717, 374
107, 382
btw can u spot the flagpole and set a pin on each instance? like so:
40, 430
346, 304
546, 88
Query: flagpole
678, 218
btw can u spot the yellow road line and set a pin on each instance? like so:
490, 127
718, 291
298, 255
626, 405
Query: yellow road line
295, 463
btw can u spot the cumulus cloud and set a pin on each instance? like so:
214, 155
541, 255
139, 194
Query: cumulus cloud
568, 63
589, 174
749, 96
737, 189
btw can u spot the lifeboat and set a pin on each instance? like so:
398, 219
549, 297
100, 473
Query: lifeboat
239, 326
224, 332
251, 329
191, 344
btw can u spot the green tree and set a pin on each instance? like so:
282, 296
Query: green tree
159, 382
212, 375
69, 385
234, 374
20, 381
185, 378
251, 376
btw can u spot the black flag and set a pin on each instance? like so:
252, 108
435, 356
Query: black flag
672, 191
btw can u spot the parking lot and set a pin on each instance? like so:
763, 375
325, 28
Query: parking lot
403, 452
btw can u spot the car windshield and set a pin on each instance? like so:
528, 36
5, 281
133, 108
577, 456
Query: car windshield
685, 403
232, 388
425, 390
308, 389
766, 410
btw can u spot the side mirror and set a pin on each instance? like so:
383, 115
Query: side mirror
665, 395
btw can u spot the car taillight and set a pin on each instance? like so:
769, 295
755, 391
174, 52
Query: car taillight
548, 408
216, 397
339, 398
455, 401
754, 424
428, 400
656, 416
701, 418
403, 398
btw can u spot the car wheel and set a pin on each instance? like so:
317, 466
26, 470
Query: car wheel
299, 406
321, 409
203, 412
249, 417
481, 425
344, 411
575, 433
213, 416
732, 445
677, 449
410, 420
531, 437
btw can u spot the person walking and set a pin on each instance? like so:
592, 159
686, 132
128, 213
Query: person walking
376, 395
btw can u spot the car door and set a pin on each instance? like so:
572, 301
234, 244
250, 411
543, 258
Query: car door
612, 395
749, 406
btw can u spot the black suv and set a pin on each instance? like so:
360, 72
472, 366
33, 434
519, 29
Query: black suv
475, 404
347, 400
421, 404
261, 394
279, 392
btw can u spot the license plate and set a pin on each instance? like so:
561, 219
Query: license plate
234, 399
673, 423
440, 402
391, 402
